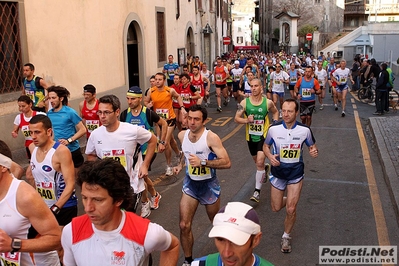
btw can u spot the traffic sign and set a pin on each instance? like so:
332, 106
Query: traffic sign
309, 36
226, 40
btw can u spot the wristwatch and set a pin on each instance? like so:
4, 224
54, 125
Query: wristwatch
162, 142
203, 162
16, 245
55, 209
69, 140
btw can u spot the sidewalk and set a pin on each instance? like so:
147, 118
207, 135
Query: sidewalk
385, 131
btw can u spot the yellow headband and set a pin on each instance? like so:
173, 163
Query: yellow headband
136, 95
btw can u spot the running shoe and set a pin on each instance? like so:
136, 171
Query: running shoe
154, 201
286, 244
255, 197
335, 107
219, 109
228, 99
169, 171
145, 209
225, 102
321, 107
267, 173
186, 263
343, 114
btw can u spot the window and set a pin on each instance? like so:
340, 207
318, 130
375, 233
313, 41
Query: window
10, 48
239, 29
161, 36
240, 40
212, 5
199, 5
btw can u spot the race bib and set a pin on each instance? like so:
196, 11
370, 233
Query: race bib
201, 171
342, 80
171, 72
256, 128
46, 190
293, 79
198, 88
219, 77
164, 113
236, 77
277, 82
10, 259
31, 95
306, 93
290, 153
185, 98
92, 125
25, 131
117, 154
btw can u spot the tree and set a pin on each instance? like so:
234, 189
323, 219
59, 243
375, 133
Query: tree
300, 7
306, 29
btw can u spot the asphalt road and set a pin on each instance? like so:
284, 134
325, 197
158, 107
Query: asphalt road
344, 200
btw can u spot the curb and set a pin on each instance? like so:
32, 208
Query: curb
389, 171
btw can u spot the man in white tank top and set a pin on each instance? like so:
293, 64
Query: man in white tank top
21, 206
203, 153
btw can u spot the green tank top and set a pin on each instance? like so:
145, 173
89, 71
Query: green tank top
258, 129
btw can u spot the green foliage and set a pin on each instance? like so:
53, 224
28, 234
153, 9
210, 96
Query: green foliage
306, 29
276, 33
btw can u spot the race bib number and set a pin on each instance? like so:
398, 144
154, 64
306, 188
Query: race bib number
164, 113
10, 259
46, 190
306, 92
219, 77
117, 154
199, 171
293, 79
185, 98
25, 131
256, 128
198, 88
31, 95
236, 77
277, 82
171, 72
92, 125
342, 80
290, 153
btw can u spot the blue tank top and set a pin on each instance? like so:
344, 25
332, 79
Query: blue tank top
304, 90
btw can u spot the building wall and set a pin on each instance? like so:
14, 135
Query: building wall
72, 43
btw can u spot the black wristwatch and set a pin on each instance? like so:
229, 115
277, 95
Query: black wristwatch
16, 245
69, 140
55, 209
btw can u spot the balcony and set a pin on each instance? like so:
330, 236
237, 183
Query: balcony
382, 9
355, 9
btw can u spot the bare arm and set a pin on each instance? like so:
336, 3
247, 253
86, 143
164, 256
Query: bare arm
64, 164
170, 256
179, 100
29, 176
147, 99
272, 109
179, 167
223, 159
31, 206
164, 128
14, 132
239, 114
17, 170
273, 158
91, 157
152, 144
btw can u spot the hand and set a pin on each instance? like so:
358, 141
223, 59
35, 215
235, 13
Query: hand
63, 142
250, 118
5, 241
161, 148
194, 161
143, 171
14, 134
274, 160
177, 169
183, 111
150, 104
313, 151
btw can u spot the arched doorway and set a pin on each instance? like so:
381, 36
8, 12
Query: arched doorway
190, 48
133, 55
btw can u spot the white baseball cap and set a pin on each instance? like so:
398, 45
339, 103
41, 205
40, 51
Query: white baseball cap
235, 222
236, 62
294, 55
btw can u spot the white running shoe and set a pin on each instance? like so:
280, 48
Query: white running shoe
145, 209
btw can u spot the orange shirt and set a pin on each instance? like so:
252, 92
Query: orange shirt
162, 102
220, 74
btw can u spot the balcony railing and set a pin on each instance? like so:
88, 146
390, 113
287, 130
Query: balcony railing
382, 9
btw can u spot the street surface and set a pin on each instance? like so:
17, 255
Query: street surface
344, 199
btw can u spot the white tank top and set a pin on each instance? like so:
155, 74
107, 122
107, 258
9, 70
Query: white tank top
45, 176
200, 149
16, 225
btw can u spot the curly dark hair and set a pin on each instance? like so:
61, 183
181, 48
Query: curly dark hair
110, 175
61, 92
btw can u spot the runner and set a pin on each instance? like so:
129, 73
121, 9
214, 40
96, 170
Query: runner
21, 120
204, 153
255, 110
176, 106
321, 75
207, 85
221, 73
88, 109
277, 80
245, 80
161, 98
139, 115
341, 76
170, 69
294, 76
236, 74
107, 234
198, 81
286, 139
229, 80
35, 87
306, 88
119, 140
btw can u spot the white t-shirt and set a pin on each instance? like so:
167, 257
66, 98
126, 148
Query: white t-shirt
120, 145
278, 78
342, 76
126, 245
321, 76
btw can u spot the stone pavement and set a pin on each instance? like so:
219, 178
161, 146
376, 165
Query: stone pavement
385, 131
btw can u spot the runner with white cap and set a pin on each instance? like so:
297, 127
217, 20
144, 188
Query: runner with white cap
237, 231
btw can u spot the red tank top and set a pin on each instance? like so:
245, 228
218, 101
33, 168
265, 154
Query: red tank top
220, 74
185, 94
24, 126
175, 103
91, 117
199, 85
